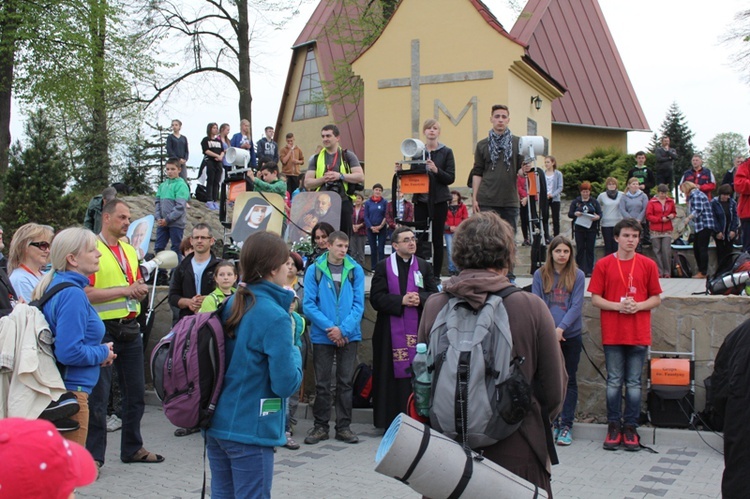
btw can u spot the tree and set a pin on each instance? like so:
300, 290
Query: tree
80, 59
740, 33
721, 151
215, 38
36, 179
680, 136
144, 162
595, 167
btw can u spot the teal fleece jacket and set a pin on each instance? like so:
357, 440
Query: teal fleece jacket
324, 308
262, 363
171, 200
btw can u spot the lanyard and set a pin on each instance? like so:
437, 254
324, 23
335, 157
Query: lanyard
335, 160
126, 271
629, 288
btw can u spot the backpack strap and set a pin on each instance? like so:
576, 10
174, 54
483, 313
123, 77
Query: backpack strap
49, 293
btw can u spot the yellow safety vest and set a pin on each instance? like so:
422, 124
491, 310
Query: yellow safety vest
111, 275
320, 168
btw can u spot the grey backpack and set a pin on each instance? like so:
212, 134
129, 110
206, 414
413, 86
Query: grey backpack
479, 395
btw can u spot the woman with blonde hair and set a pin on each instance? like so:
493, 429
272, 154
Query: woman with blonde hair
560, 283
441, 168
704, 225
76, 326
29, 254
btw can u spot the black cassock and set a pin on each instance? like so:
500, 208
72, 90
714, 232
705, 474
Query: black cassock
390, 394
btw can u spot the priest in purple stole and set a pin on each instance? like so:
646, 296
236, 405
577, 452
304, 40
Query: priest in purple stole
400, 286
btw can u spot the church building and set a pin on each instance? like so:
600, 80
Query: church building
558, 71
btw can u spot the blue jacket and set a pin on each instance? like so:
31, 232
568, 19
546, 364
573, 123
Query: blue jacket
262, 363
78, 332
324, 309
375, 212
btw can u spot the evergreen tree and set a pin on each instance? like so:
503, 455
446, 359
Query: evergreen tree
144, 160
680, 136
36, 179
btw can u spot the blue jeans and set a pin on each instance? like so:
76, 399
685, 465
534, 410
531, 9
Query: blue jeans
239, 470
164, 234
377, 246
624, 365
346, 358
449, 248
129, 365
571, 349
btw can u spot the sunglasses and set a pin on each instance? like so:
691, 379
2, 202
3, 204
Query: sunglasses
42, 245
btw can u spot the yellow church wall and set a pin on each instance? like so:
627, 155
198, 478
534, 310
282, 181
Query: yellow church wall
471, 45
572, 142
306, 132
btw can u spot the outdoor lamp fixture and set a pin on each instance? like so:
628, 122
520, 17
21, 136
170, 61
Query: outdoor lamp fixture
537, 101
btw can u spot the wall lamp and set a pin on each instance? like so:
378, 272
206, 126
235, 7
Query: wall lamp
537, 101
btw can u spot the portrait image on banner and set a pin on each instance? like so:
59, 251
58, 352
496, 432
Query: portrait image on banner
139, 234
254, 212
311, 208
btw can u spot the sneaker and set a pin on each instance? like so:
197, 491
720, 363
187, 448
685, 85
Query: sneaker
316, 434
614, 436
113, 423
565, 437
290, 443
555, 433
65, 424
347, 436
630, 438
65, 407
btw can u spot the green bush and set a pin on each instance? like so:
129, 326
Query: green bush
596, 167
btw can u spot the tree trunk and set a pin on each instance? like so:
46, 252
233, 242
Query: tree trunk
243, 40
98, 169
9, 28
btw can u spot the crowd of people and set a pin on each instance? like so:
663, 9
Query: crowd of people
278, 310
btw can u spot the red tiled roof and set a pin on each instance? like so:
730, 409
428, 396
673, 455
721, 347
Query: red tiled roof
328, 24
571, 41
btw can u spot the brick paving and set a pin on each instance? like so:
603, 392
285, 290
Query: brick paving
685, 467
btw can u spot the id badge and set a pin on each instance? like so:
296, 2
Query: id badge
418, 280
631, 292
132, 305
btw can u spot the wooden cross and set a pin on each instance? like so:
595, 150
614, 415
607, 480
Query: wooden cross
416, 80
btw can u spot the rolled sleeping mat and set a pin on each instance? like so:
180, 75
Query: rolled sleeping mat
438, 467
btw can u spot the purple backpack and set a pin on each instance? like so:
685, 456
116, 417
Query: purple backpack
187, 366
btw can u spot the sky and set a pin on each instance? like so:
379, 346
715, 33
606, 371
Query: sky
672, 50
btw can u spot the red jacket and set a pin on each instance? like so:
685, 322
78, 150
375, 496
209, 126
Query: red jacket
655, 211
703, 178
742, 187
452, 220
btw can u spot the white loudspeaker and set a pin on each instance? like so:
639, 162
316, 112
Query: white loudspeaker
238, 156
412, 147
166, 259
531, 145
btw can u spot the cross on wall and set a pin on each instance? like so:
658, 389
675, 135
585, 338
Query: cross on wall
415, 81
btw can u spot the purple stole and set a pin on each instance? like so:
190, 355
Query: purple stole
404, 327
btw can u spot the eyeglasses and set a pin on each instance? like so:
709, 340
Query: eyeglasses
42, 245
407, 240
201, 238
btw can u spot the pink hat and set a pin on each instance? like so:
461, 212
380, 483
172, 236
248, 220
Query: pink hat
37, 462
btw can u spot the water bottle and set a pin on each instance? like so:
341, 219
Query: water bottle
422, 380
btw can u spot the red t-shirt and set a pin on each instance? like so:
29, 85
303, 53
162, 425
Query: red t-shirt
611, 281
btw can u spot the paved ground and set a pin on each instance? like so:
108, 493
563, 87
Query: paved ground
685, 467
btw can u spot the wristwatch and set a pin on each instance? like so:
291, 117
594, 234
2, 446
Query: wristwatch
341, 176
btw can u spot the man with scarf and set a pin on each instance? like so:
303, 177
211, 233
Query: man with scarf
496, 164
400, 287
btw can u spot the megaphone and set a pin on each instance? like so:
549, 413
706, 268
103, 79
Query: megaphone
412, 147
532, 146
238, 156
166, 259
